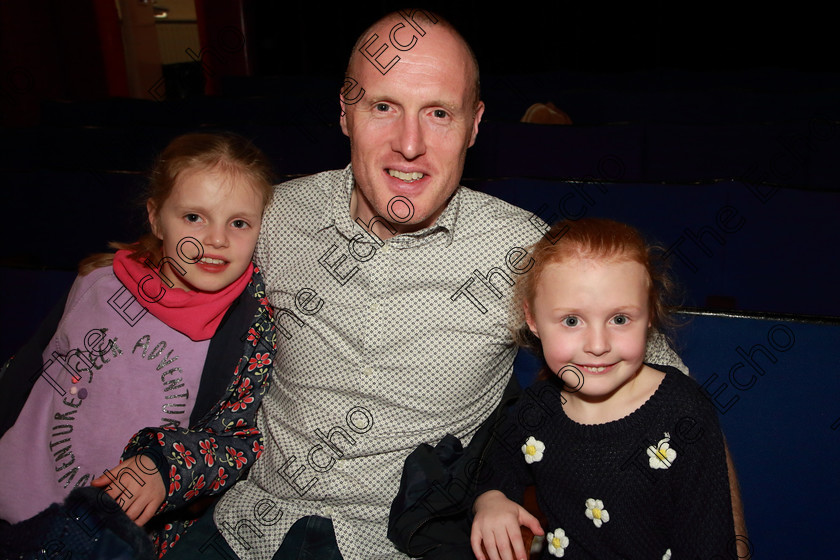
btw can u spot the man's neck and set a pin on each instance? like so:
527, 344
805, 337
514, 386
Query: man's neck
360, 210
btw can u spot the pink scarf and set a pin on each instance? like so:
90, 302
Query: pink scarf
195, 314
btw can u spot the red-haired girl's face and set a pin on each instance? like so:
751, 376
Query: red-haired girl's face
593, 315
208, 212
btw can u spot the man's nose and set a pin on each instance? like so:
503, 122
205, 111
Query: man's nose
409, 140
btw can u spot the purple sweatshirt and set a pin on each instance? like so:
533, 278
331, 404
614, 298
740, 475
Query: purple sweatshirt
111, 369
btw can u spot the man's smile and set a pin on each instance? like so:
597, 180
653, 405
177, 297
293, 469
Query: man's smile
407, 177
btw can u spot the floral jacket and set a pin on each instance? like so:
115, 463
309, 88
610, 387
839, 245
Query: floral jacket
209, 456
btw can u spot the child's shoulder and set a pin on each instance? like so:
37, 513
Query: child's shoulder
96, 277
97, 274
683, 394
540, 401
90, 284
541, 389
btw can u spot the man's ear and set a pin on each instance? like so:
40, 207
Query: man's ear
479, 112
530, 319
153, 219
343, 118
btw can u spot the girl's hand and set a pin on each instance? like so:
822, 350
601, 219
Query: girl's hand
136, 486
496, 524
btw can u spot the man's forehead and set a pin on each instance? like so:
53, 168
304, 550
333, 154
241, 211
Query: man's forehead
429, 78
430, 62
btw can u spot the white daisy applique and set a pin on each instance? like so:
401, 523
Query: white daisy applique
667, 555
557, 542
596, 512
533, 450
662, 456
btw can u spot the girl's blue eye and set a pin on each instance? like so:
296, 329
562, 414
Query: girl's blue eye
571, 321
239, 224
620, 320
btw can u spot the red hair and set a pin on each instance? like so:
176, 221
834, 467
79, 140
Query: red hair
593, 238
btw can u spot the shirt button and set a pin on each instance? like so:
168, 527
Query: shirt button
374, 307
368, 370
328, 511
386, 247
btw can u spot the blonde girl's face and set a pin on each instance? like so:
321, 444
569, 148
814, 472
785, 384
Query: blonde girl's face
592, 315
209, 227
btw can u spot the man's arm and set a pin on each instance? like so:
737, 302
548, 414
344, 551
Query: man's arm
659, 352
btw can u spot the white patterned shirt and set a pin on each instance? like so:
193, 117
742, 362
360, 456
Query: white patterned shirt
382, 346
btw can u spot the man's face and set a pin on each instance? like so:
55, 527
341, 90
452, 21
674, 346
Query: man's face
410, 131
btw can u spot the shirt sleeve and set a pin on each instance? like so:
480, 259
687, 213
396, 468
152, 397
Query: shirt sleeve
658, 352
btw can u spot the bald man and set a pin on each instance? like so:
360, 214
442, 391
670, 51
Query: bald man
391, 285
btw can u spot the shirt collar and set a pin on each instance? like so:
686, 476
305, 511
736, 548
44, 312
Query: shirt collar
340, 211
443, 228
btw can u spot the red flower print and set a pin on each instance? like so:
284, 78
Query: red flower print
242, 403
199, 484
174, 542
253, 336
245, 386
220, 479
258, 449
174, 480
207, 446
160, 437
260, 361
237, 456
185, 454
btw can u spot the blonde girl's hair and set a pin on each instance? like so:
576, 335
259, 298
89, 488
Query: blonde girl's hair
226, 152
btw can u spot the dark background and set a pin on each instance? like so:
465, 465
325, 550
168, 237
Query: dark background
528, 37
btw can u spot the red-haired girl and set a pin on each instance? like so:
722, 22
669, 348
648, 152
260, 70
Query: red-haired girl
628, 459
